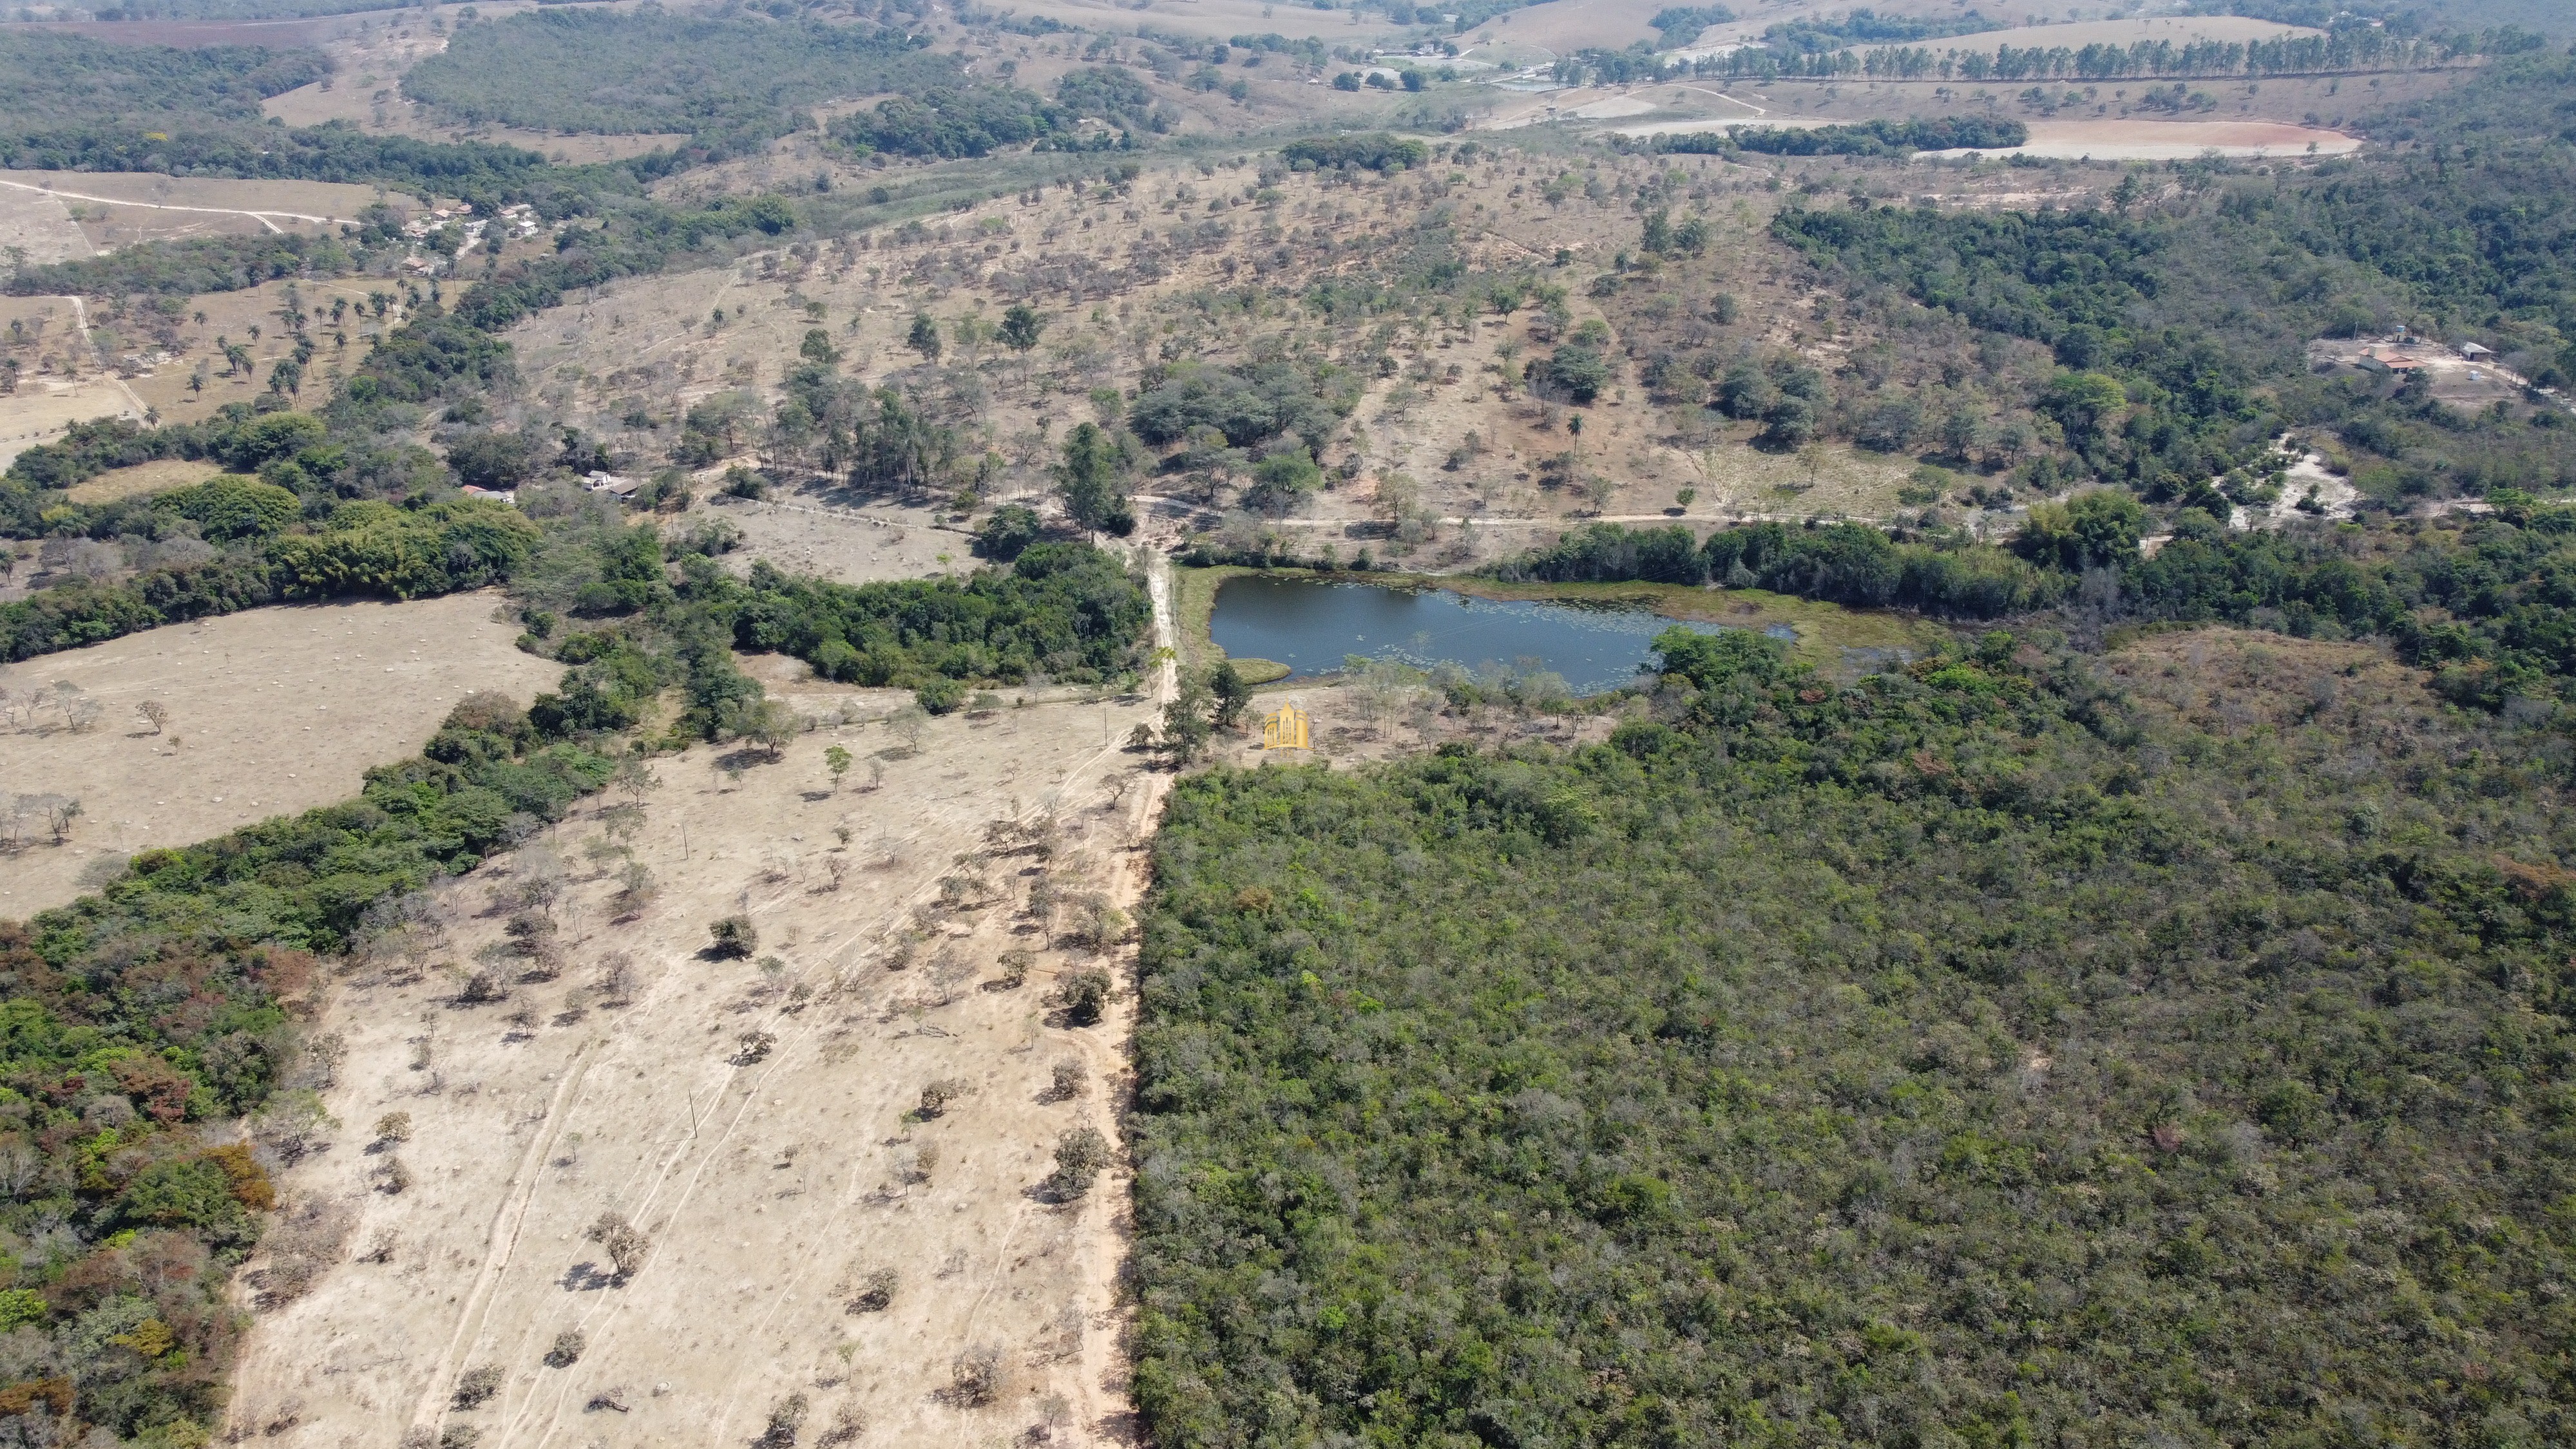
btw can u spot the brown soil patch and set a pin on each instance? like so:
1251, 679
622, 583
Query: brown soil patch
158, 477
273, 711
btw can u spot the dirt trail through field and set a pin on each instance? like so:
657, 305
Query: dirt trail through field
262, 217
761, 1121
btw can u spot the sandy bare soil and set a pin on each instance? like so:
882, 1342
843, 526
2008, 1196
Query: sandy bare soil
42, 407
2136, 140
817, 533
271, 712
759, 1121
42, 225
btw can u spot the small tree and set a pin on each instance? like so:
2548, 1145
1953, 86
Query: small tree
909, 725
924, 337
975, 1379
1083, 994
1092, 478
1080, 1155
634, 778
1020, 326
476, 1385
1232, 695
155, 714
837, 760
627, 1248
733, 936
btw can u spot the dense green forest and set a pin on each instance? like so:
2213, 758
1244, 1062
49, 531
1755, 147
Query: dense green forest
73, 103
726, 84
49, 79
2017, 1048
1872, 138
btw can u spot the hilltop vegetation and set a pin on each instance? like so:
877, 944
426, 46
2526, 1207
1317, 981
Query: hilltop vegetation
726, 84
50, 79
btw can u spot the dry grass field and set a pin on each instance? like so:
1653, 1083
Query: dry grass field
158, 477
121, 208
270, 712
758, 1120
837, 1150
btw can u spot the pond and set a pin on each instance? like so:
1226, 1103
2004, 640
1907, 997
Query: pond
1310, 625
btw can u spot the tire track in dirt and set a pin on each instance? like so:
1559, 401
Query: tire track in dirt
504, 1241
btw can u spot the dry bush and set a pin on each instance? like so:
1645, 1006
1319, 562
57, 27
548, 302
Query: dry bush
300, 1249
545, 963
292, 1126
379, 1249
847, 1425
924, 1161
753, 1046
390, 1177
567, 1349
627, 1247
419, 1436
617, 979
936, 1096
635, 890
978, 1376
477, 1384
528, 932
732, 936
785, 1418
836, 869
876, 1292
1071, 1080
1079, 1157
318, 1061
1015, 970
393, 1127
460, 1436
1062, 1337
482, 988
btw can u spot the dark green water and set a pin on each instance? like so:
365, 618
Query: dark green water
1310, 625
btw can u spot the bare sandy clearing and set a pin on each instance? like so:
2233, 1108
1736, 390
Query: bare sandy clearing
159, 477
813, 533
150, 203
43, 406
1563, 27
2135, 140
42, 225
271, 712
